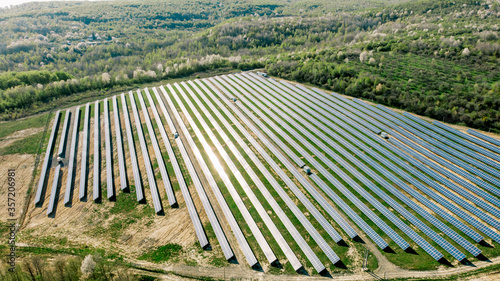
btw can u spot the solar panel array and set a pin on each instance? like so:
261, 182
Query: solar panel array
243, 140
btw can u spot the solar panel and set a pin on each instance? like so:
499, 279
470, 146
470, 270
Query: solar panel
193, 213
54, 194
232, 167
391, 233
448, 136
64, 134
441, 142
313, 192
85, 154
462, 135
332, 134
474, 189
275, 167
484, 137
349, 106
288, 224
47, 160
70, 179
443, 154
471, 220
109, 154
156, 148
344, 164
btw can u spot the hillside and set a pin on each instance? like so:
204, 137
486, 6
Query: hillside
413, 55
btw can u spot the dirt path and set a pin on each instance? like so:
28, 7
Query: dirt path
8, 140
241, 273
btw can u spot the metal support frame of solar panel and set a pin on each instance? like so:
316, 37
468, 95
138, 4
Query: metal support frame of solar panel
109, 154
267, 195
96, 194
268, 252
487, 164
465, 136
85, 154
54, 194
456, 140
193, 214
484, 137
73, 150
119, 146
283, 195
400, 241
372, 113
304, 183
64, 134
159, 157
422, 167
47, 160
353, 215
221, 237
359, 111
433, 252
245, 247
417, 208
133, 155
145, 155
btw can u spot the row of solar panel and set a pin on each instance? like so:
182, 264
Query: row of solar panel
338, 133
418, 175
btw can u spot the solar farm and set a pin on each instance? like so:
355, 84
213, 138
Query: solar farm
278, 175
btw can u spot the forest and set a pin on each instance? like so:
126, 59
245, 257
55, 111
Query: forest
435, 58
